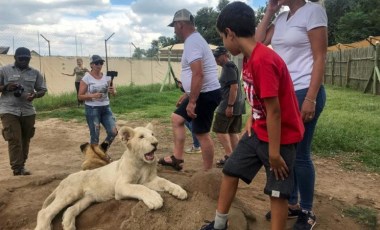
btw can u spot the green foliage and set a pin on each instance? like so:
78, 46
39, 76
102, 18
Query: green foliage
348, 125
133, 102
352, 20
139, 53
363, 215
157, 44
205, 22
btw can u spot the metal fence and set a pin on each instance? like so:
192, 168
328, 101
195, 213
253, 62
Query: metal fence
63, 43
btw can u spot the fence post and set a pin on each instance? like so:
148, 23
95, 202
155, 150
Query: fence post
348, 66
332, 70
376, 72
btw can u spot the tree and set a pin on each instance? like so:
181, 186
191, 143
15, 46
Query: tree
157, 44
335, 9
361, 22
222, 4
138, 53
352, 20
205, 22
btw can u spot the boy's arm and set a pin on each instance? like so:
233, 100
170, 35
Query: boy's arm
273, 115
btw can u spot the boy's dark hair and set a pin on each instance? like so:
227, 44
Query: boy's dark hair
238, 17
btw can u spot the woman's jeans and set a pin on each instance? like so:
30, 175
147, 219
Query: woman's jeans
304, 169
96, 115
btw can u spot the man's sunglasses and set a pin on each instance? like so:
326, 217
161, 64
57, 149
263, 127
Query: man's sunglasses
23, 59
98, 63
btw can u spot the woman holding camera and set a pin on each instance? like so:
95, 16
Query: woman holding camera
19, 86
93, 90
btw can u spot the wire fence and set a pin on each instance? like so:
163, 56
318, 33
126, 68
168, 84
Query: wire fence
63, 44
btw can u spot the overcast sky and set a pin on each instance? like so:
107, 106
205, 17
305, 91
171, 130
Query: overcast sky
80, 27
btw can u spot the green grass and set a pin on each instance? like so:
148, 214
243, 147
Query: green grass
349, 127
363, 215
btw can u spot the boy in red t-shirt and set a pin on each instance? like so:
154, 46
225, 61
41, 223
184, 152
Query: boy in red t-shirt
275, 126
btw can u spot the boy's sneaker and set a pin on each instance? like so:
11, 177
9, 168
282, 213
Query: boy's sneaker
305, 221
210, 226
292, 213
193, 150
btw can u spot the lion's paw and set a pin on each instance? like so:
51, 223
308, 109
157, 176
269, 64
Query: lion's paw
178, 192
153, 200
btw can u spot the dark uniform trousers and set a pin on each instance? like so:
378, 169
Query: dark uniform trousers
18, 130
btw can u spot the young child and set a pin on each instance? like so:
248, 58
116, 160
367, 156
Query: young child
274, 127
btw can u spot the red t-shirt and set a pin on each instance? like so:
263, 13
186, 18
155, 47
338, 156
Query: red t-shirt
265, 75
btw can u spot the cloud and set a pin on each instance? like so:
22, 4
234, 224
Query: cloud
80, 27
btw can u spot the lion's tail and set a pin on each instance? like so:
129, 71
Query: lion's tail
49, 199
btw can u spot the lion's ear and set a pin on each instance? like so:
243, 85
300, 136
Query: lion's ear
149, 126
126, 133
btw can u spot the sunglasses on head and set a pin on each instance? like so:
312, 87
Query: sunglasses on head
98, 63
23, 58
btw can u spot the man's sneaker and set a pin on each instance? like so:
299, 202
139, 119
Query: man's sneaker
210, 226
305, 221
21, 172
292, 213
193, 150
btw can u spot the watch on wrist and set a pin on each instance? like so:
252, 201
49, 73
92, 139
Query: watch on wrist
230, 105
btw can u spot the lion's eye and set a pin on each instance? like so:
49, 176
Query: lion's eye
141, 136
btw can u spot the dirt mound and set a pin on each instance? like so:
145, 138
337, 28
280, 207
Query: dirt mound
55, 154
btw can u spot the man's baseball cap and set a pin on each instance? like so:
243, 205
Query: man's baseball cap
182, 15
22, 52
219, 51
95, 58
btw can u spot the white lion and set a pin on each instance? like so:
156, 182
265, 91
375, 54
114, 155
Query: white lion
133, 176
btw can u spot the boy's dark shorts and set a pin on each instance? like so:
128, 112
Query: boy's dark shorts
248, 158
205, 107
224, 124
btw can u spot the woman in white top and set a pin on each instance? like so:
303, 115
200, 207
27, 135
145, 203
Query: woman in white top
299, 36
93, 90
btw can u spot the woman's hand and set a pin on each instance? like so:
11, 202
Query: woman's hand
273, 6
112, 90
307, 111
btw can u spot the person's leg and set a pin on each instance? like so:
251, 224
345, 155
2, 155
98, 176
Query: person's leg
225, 141
178, 119
93, 122
234, 130
12, 134
196, 143
27, 127
77, 83
207, 150
227, 193
243, 164
206, 105
234, 140
179, 135
304, 168
108, 121
279, 210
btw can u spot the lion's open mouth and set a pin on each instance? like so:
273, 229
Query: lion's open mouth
149, 156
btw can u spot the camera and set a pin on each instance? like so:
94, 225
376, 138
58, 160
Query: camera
17, 92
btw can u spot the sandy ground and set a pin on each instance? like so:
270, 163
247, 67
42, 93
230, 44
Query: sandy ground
55, 154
